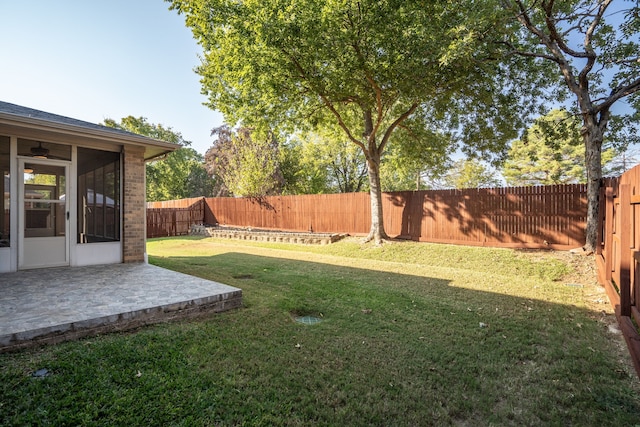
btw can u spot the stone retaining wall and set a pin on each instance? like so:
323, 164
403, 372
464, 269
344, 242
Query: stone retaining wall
265, 235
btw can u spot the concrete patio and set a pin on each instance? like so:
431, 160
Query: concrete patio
58, 304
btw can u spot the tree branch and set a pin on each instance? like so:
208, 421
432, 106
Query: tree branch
555, 37
326, 101
619, 93
549, 42
379, 107
396, 123
588, 37
540, 55
377, 90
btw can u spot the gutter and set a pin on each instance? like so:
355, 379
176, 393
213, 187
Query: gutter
116, 136
157, 157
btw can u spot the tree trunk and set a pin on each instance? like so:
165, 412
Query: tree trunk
376, 233
592, 135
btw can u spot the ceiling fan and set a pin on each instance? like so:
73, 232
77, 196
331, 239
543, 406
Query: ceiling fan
40, 152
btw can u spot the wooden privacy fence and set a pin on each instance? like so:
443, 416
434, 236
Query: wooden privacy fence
175, 217
523, 217
533, 217
618, 253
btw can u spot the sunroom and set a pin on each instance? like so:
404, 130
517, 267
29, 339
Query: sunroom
73, 191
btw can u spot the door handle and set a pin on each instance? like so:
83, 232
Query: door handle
67, 215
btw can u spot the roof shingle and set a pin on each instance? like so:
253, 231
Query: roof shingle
18, 110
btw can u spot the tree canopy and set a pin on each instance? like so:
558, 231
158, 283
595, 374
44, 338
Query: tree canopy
180, 175
142, 126
378, 71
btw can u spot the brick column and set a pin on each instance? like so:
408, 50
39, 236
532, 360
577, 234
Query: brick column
134, 214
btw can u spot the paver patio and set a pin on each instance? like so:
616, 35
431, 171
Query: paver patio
57, 304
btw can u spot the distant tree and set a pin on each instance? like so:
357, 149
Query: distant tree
534, 163
324, 162
181, 174
303, 171
470, 173
326, 154
622, 162
372, 69
595, 48
347, 166
247, 163
396, 174
141, 126
413, 163
551, 153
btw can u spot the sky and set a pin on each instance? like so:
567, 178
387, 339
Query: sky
98, 59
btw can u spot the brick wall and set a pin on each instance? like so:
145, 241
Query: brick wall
133, 238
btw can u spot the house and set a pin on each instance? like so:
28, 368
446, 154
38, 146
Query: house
73, 191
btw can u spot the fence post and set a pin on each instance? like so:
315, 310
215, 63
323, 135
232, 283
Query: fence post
608, 233
601, 217
624, 194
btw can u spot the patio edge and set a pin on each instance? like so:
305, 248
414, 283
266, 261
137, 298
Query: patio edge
120, 322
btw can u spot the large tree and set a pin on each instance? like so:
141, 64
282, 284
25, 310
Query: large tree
594, 46
377, 70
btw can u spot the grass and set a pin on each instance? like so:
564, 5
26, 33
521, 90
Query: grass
411, 334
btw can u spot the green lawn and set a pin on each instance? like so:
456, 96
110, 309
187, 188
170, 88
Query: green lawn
411, 334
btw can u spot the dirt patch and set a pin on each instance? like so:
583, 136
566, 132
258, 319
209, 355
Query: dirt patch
583, 268
584, 275
243, 276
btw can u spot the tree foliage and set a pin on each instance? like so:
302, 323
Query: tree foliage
412, 164
141, 126
247, 164
327, 163
303, 170
372, 69
594, 46
181, 174
470, 173
552, 153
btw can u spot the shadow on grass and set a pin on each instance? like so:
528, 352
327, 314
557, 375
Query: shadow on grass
392, 348
389, 337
